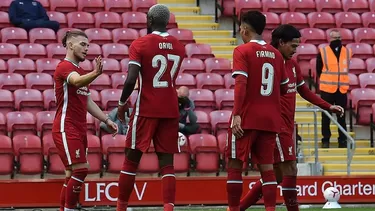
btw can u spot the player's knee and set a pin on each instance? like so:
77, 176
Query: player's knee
290, 168
235, 163
278, 173
133, 155
165, 159
79, 174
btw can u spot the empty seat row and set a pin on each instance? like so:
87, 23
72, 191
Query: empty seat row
363, 103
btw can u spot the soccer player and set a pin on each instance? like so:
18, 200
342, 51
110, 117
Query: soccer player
260, 78
286, 39
73, 102
155, 60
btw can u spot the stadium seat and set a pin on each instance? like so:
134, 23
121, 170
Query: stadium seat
124, 64
361, 50
135, 20
118, 80
203, 98
362, 99
115, 50
56, 51
172, 22
4, 5
200, 51
90, 6
185, 36
54, 163
277, 6
229, 81
30, 100
3, 66
222, 142
14, 35
22, 66
44, 122
218, 65
42, 36
87, 65
245, 5
304, 6
119, 6
348, 20
49, 99
370, 64
63, 6
357, 66
368, 19
107, 20
365, 35
149, 163
94, 51
186, 79
331, 6
306, 51
224, 99
272, 20
33, 51
95, 96
206, 152
91, 123
133, 97
220, 120
346, 35
313, 36
357, 6
306, 70
103, 81
4, 20
229, 6
371, 5
11, 81
211, 81
8, 51
192, 66
3, 122
45, 4
110, 98
113, 151
28, 150
110, 66
203, 119
143, 6
46, 65
124, 35
353, 81
62, 31
6, 101
59, 17
6, 157
322, 20
142, 32
94, 155
81, 20
181, 161
367, 80
21, 122
40, 81
99, 36
297, 19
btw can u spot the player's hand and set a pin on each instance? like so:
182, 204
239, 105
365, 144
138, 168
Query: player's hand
121, 110
112, 126
99, 66
337, 110
236, 127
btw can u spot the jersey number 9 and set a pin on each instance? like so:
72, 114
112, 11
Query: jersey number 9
162, 62
268, 75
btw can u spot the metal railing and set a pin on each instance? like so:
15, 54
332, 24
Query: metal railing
350, 140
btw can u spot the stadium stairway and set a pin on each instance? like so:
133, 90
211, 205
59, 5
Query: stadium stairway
205, 30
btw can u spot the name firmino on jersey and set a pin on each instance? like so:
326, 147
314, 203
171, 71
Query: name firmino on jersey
268, 54
165, 46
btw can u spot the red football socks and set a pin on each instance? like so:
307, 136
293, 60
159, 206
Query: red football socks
169, 187
254, 195
74, 187
234, 188
290, 192
269, 188
126, 183
62, 194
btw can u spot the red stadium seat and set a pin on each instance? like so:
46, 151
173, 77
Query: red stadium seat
124, 35
306, 51
4, 5
220, 120
54, 163
224, 99
172, 22
21, 122
86, 65
304, 6
229, 5
95, 96
94, 51
118, 6
349, 20
357, 6
8, 51
110, 66
200, 51
113, 149
91, 6
110, 98
22, 66
91, 126
32, 50
364, 35
357, 66
59, 17
107, 20
118, 80
181, 161
56, 51
245, 5
229, 81
211, 81
133, 97
6, 102
14, 35
42, 36
361, 50
203, 119
363, 99
62, 31
272, 20
124, 64
142, 32
99, 36
3, 66
3, 123
115, 50
218, 65
4, 20
143, 6
103, 81
44, 121
40, 81
49, 99
367, 80
135, 20
353, 81
149, 163
11, 81
45, 4
81, 20
6, 157
185, 79
331, 6
185, 36
346, 35
322, 20
30, 100
63, 6
277, 6
370, 64
192, 66
94, 155
222, 142
297, 19
206, 151
368, 19
371, 5
28, 149
313, 36
46, 65
202, 98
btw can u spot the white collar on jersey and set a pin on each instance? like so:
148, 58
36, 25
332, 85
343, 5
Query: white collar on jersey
66, 59
163, 34
260, 42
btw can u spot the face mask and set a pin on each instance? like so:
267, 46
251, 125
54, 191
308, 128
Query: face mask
336, 43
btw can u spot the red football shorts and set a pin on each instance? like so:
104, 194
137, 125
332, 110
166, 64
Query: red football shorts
285, 149
259, 143
72, 148
162, 131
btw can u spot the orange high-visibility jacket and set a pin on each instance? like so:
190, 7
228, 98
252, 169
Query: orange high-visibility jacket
335, 73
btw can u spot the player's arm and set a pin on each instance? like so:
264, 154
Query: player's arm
78, 80
96, 112
240, 75
284, 78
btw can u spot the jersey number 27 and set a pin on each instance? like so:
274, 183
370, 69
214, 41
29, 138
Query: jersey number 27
268, 75
162, 62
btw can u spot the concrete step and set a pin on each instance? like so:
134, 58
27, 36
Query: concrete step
334, 135
339, 152
358, 159
310, 143
178, 3
228, 49
354, 167
198, 26
195, 19
305, 128
353, 173
181, 10
212, 33
225, 56
217, 41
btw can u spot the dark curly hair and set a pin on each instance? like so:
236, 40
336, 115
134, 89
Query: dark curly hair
286, 33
